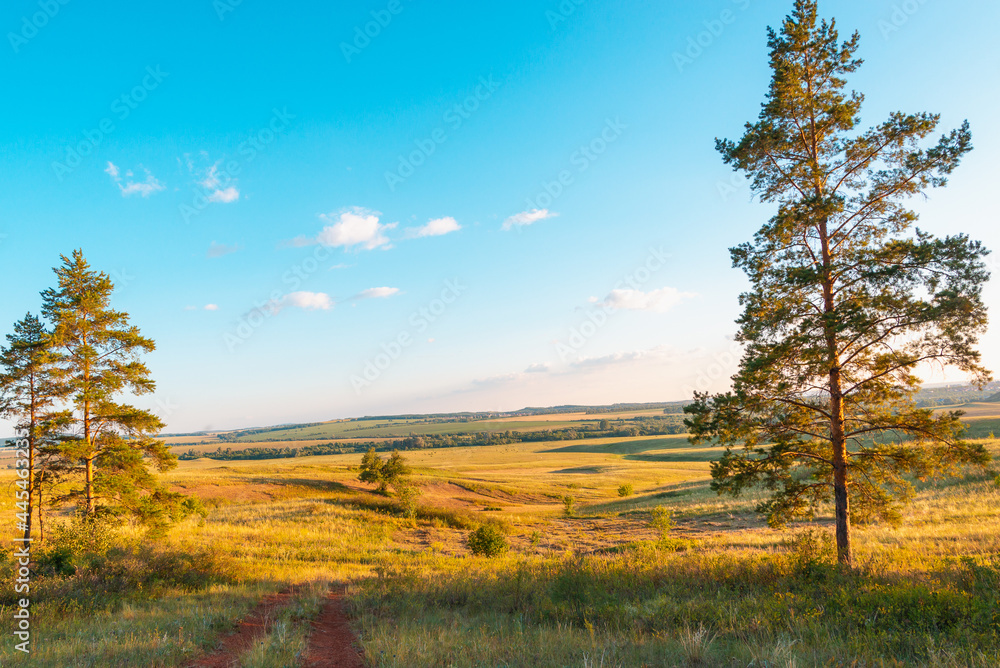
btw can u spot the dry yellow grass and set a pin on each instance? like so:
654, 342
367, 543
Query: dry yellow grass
308, 519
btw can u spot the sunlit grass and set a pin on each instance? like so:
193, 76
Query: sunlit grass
420, 599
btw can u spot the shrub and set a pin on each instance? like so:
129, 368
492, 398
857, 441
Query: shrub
59, 561
407, 495
812, 548
662, 518
488, 541
568, 503
626, 490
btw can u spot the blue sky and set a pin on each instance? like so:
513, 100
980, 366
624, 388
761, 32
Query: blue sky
316, 223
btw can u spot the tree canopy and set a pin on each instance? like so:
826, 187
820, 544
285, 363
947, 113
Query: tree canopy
848, 301
112, 442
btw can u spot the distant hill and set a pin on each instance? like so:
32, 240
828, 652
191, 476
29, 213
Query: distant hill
956, 394
995, 399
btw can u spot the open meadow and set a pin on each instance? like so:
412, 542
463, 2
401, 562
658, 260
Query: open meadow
565, 334
605, 582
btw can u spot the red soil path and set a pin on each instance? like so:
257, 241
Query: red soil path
331, 642
255, 625
330, 645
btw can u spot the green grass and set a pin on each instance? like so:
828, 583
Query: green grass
598, 588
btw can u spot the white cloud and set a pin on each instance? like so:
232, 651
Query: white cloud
377, 293
658, 301
220, 188
354, 227
538, 368
211, 307
660, 353
527, 218
434, 228
300, 241
211, 179
308, 301
130, 186
224, 196
218, 250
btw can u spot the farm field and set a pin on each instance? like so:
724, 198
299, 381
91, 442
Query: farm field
362, 429
601, 587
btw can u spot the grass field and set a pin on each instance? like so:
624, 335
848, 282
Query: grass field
603, 587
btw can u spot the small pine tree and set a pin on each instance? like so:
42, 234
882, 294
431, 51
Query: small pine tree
29, 394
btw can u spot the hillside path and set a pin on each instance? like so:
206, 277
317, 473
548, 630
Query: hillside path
252, 627
331, 642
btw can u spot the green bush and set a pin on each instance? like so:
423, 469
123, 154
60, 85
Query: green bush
626, 490
662, 518
568, 503
488, 541
59, 561
407, 496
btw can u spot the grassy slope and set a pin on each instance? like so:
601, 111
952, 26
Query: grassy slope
422, 600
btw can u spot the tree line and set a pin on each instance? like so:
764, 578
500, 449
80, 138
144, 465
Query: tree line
460, 440
63, 378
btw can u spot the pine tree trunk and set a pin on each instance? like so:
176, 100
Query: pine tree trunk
32, 432
90, 487
31, 481
842, 505
838, 441
90, 456
41, 519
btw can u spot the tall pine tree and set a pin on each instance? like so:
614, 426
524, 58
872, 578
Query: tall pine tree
847, 302
112, 443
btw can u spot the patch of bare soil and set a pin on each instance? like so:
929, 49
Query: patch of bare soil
252, 627
331, 642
